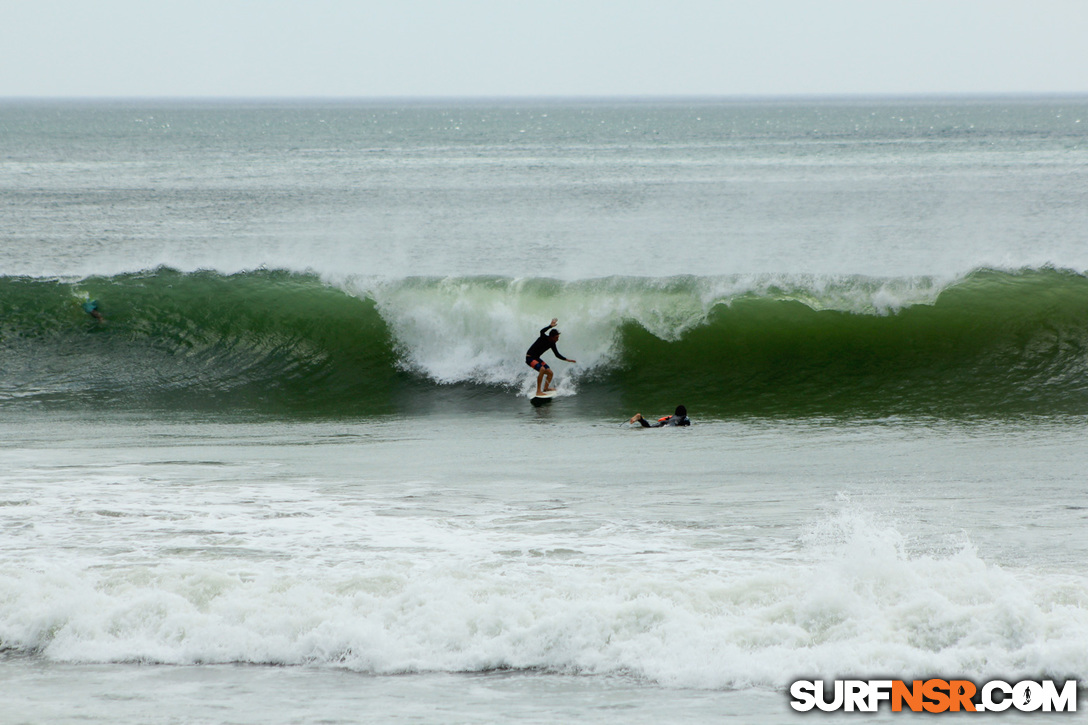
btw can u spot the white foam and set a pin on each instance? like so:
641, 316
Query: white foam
458, 330
477, 329
414, 594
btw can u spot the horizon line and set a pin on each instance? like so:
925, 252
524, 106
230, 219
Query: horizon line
584, 98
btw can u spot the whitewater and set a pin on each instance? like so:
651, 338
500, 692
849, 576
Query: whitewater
293, 475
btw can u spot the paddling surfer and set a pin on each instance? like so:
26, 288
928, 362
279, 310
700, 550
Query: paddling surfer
680, 417
545, 342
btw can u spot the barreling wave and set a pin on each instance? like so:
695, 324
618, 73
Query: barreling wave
266, 340
992, 342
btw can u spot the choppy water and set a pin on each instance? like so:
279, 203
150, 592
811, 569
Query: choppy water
293, 476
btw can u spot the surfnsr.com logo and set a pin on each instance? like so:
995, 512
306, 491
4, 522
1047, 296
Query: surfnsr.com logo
934, 695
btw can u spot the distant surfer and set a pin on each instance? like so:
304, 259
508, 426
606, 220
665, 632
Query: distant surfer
680, 417
545, 342
91, 308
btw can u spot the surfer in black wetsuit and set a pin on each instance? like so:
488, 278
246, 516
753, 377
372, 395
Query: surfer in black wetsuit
545, 342
680, 417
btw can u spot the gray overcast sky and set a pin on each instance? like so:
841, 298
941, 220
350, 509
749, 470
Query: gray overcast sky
547, 47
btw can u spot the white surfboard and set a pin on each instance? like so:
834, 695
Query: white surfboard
547, 395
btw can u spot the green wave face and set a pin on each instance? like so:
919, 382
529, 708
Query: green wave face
992, 343
259, 340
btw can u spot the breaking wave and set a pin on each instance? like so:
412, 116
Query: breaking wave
992, 342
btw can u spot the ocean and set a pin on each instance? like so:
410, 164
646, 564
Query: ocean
292, 475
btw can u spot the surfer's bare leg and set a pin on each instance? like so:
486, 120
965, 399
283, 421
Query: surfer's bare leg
539, 380
547, 385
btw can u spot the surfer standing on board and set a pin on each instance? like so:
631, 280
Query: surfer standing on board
545, 342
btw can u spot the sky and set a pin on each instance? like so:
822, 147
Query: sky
486, 48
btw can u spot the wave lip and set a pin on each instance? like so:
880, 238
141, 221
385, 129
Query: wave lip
992, 342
